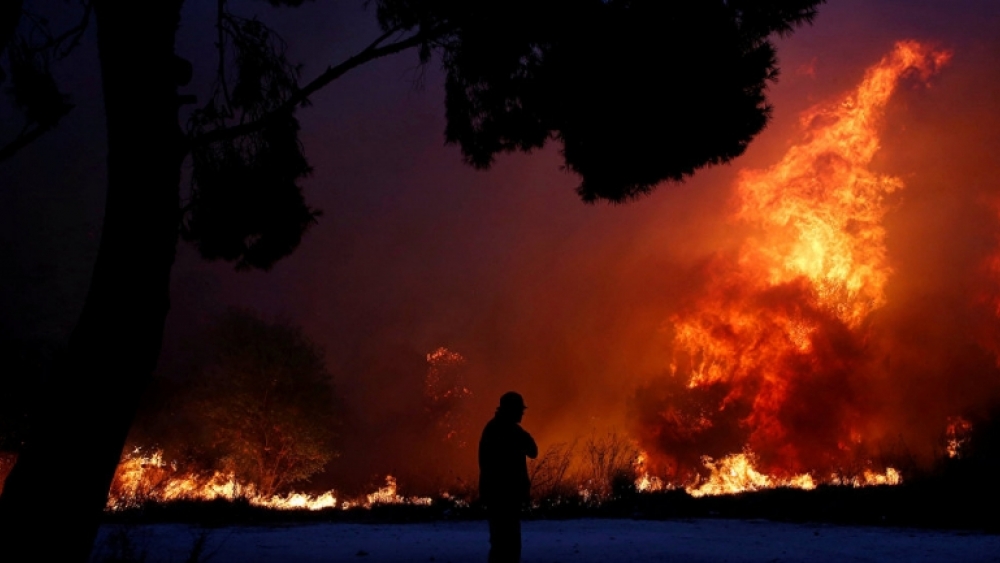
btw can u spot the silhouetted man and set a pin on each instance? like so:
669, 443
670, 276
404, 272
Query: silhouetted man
504, 486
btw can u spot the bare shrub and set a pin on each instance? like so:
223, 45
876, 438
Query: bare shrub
895, 453
550, 479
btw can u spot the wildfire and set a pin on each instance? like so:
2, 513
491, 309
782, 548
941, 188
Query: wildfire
763, 356
782, 325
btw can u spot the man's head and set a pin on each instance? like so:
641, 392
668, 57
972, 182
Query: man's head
512, 406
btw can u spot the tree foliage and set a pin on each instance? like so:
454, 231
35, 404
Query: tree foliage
637, 91
246, 206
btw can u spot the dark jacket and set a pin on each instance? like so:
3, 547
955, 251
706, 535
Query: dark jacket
503, 469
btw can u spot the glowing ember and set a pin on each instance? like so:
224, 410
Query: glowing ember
768, 350
957, 435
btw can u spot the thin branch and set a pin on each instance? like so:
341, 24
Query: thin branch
75, 32
219, 18
40, 25
374, 51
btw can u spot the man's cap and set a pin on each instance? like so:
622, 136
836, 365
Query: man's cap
512, 401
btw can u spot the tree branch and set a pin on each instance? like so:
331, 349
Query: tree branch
374, 51
75, 33
221, 46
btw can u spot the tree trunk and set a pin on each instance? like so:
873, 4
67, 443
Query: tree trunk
53, 499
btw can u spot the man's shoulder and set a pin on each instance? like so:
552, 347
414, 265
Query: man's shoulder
494, 425
502, 427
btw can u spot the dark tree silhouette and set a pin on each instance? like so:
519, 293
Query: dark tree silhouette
637, 91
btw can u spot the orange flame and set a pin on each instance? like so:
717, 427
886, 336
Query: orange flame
783, 323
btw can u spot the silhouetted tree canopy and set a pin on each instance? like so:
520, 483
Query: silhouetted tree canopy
637, 91
246, 206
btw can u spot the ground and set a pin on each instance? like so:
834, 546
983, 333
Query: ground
551, 541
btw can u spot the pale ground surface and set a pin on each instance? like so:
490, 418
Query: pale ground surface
577, 541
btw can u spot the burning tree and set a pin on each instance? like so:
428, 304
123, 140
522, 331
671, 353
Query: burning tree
445, 396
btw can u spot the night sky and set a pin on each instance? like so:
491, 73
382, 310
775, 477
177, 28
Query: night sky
564, 301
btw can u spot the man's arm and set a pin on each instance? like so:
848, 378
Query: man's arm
530, 448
